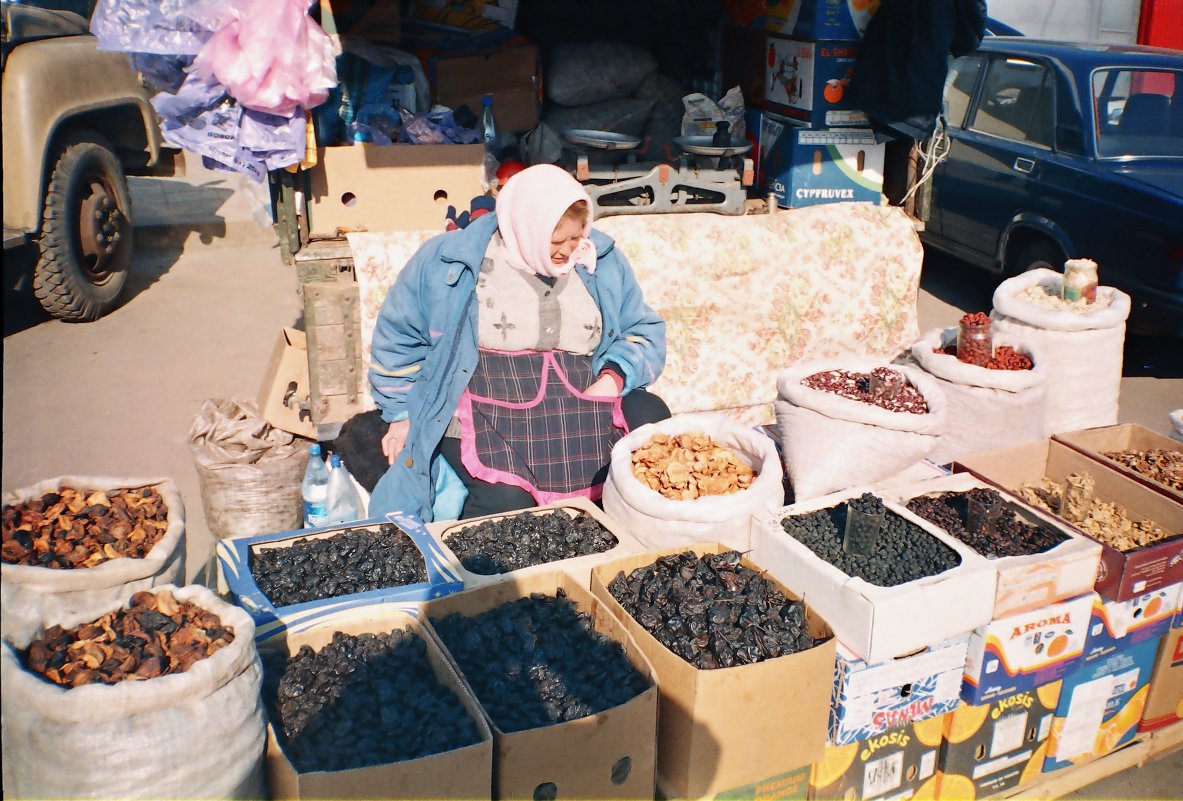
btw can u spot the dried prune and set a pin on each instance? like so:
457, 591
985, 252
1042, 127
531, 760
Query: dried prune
1011, 536
903, 551
350, 561
517, 541
538, 661
712, 611
361, 700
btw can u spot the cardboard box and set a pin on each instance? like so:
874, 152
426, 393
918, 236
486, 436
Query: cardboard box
1120, 576
510, 75
879, 623
235, 555
810, 167
1025, 651
809, 81
578, 568
1024, 582
1164, 703
284, 397
791, 785
1100, 706
900, 763
711, 719
1117, 625
993, 747
869, 699
583, 758
462, 773
830, 19
379, 21
1128, 437
392, 188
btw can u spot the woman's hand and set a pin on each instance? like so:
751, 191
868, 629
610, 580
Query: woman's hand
394, 439
603, 387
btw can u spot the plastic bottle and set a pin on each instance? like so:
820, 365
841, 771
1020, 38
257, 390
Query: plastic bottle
314, 489
343, 501
489, 127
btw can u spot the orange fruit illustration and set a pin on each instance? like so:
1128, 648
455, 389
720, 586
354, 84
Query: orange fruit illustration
956, 787
1049, 694
1152, 608
837, 760
1034, 768
929, 731
833, 91
1058, 645
967, 720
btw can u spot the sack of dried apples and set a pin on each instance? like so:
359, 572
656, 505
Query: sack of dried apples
75, 543
693, 478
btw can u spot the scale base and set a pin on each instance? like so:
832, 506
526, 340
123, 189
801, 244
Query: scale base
666, 188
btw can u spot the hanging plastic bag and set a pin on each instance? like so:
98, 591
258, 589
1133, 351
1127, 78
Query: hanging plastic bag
702, 113
271, 56
163, 27
436, 128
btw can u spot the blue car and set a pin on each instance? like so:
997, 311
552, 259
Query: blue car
1059, 151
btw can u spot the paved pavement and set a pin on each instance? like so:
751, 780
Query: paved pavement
207, 297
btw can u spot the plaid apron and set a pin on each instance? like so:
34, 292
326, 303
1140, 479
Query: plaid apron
525, 421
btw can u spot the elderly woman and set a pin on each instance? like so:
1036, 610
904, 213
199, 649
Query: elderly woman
509, 357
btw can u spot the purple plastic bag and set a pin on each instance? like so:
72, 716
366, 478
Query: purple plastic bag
163, 27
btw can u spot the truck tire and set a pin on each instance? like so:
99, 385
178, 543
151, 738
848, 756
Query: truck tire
86, 231
1038, 253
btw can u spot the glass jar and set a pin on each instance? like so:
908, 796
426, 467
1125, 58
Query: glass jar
886, 384
975, 341
1080, 281
862, 529
982, 514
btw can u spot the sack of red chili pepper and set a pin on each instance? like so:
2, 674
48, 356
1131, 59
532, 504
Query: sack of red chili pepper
849, 422
1001, 404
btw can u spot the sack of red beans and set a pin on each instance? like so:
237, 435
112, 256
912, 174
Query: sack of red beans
848, 422
989, 407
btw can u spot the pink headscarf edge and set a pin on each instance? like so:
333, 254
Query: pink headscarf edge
529, 210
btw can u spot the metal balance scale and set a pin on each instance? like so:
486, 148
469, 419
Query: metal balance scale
706, 176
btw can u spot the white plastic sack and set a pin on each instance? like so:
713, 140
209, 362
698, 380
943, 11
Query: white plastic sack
30, 595
1083, 352
701, 113
1176, 418
832, 443
194, 734
987, 409
658, 522
581, 73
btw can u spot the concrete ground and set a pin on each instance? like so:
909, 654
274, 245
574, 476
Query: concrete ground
206, 301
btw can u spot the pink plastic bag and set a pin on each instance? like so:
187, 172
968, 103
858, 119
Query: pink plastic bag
271, 56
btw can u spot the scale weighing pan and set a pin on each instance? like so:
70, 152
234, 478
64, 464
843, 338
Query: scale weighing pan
601, 140
702, 146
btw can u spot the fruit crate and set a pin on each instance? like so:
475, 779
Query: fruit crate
579, 567
235, 559
1025, 582
879, 622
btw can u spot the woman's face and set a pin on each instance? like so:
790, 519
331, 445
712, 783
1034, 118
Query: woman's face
564, 240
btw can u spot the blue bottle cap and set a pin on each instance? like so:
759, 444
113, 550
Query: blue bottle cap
314, 449
334, 460
486, 100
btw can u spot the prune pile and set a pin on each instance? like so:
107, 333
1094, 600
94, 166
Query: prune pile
538, 661
517, 541
155, 636
369, 699
73, 529
712, 611
904, 552
857, 386
354, 560
1011, 537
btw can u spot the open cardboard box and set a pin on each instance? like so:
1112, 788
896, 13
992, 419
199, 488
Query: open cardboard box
1092, 442
611, 754
1120, 575
731, 727
879, 623
391, 188
1024, 582
462, 773
285, 393
235, 556
578, 568
509, 74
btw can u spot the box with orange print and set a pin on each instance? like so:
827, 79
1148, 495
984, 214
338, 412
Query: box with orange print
899, 763
1101, 704
993, 747
1123, 624
1027, 650
810, 81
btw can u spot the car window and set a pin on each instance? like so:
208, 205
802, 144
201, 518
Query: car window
1138, 112
1017, 102
959, 88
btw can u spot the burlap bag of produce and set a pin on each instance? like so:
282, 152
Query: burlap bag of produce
249, 471
987, 409
194, 734
660, 522
1082, 351
832, 443
29, 595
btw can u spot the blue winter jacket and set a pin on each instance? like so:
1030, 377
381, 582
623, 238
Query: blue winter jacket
424, 348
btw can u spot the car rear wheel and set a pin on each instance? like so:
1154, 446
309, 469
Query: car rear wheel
1037, 254
86, 231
